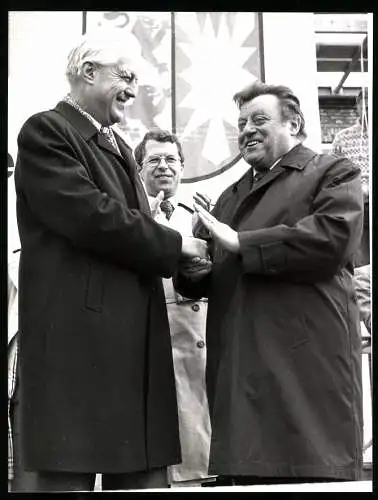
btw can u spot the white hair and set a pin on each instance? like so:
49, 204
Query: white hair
103, 47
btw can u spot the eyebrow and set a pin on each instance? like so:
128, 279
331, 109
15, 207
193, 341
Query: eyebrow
126, 72
253, 115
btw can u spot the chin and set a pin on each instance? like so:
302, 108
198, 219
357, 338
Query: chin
117, 119
250, 158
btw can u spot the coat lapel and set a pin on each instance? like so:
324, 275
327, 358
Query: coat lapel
127, 157
105, 144
296, 159
252, 197
89, 131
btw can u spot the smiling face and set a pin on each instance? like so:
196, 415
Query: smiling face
264, 135
160, 174
110, 87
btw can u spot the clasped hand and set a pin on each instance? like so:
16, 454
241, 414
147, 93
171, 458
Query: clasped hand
195, 261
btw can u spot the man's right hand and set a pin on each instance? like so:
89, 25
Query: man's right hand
194, 247
155, 203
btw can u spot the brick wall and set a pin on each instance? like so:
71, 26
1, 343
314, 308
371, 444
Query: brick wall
335, 116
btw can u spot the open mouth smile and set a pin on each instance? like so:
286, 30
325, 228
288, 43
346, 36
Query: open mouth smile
251, 144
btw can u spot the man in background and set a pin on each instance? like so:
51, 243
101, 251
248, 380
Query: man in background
353, 143
96, 390
161, 161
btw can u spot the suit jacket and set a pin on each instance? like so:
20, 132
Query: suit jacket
97, 384
283, 341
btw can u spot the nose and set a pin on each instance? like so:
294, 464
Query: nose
131, 89
250, 127
163, 165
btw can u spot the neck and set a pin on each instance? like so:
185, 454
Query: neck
77, 97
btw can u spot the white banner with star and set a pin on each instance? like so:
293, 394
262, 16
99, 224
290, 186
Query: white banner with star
216, 54
192, 65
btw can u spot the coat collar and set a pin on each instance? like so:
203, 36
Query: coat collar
79, 121
87, 129
296, 158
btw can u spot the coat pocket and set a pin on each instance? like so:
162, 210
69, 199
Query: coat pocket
95, 287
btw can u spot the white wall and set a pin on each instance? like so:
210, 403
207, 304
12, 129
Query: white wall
38, 47
290, 59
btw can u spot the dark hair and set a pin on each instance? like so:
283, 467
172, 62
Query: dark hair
290, 105
158, 135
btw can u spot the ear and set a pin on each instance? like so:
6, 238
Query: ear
294, 125
88, 71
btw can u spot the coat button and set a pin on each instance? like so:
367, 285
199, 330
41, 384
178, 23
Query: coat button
195, 307
200, 344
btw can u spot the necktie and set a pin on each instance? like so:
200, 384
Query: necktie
108, 133
260, 174
167, 207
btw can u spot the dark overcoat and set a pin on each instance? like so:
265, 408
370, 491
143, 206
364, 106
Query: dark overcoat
284, 353
96, 372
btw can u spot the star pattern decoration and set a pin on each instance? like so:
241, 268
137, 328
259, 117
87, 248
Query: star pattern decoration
216, 71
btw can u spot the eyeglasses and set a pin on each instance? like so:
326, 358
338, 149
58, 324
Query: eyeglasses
155, 161
128, 75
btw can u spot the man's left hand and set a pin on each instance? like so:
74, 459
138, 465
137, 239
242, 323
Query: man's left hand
226, 236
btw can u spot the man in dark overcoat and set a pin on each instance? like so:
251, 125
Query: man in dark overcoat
283, 338
96, 391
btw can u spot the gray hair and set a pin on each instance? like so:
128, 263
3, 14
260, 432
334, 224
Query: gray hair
101, 48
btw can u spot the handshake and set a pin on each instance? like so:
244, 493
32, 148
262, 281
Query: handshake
195, 260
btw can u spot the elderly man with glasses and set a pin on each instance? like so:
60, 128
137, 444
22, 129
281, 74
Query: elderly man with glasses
96, 382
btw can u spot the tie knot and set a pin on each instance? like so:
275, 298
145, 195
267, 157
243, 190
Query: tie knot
108, 133
260, 174
167, 207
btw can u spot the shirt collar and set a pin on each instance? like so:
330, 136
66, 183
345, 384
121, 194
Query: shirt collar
270, 168
172, 199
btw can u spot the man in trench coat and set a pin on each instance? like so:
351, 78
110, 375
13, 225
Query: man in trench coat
283, 338
161, 162
96, 389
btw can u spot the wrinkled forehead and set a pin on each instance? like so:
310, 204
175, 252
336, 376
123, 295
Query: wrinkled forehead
127, 64
157, 148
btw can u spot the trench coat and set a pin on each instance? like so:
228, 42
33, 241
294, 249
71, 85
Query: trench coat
187, 323
284, 350
97, 390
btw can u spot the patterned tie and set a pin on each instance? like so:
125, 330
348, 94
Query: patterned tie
167, 207
108, 133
